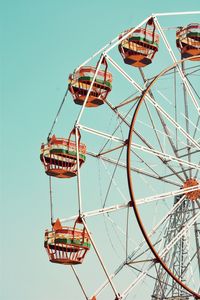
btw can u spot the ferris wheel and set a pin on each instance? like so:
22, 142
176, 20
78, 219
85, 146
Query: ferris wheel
131, 164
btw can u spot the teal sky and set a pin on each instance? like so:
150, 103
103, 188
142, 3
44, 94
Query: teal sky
41, 43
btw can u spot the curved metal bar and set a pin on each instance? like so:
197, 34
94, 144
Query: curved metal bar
131, 189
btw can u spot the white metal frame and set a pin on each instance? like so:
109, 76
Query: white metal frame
78, 126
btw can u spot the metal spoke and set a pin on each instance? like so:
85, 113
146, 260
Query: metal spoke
197, 172
101, 261
122, 121
165, 128
167, 195
178, 172
151, 119
111, 179
197, 126
79, 282
117, 207
154, 103
143, 140
146, 164
136, 170
140, 277
183, 77
166, 156
136, 146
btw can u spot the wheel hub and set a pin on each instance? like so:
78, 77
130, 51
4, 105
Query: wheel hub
193, 195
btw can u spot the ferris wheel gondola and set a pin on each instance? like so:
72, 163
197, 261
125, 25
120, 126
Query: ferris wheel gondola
188, 41
80, 82
59, 156
66, 245
139, 48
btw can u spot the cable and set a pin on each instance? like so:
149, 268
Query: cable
51, 199
55, 120
111, 181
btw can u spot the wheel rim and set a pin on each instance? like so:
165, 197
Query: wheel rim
187, 182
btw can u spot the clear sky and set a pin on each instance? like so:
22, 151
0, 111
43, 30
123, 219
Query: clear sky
42, 41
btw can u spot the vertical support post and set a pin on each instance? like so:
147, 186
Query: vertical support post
127, 230
51, 200
186, 117
175, 103
78, 171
